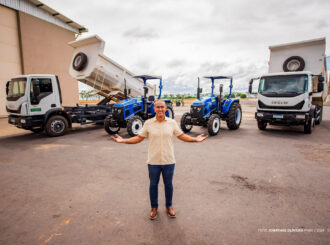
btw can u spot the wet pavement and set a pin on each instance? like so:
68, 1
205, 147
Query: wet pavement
239, 187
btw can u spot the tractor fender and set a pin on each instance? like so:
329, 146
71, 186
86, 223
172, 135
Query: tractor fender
60, 112
227, 104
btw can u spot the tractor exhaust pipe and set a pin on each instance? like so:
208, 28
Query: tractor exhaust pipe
198, 90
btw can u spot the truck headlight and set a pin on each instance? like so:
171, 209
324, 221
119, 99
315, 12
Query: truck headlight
260, 114
300, 116
23, 121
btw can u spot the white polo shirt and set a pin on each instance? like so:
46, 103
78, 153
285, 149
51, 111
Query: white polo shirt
161, 150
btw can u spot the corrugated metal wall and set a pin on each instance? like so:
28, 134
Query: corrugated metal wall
29, 8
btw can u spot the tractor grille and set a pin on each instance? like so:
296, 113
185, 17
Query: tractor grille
118, 112
196, 111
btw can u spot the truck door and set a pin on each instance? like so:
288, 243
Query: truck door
42, 96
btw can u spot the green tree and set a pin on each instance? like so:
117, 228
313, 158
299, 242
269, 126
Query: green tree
243, 96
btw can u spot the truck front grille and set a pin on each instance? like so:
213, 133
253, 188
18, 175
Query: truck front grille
295, 107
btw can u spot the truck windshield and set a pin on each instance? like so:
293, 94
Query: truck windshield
16, 89
283, 85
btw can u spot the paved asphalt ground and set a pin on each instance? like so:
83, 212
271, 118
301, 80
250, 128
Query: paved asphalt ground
239, 187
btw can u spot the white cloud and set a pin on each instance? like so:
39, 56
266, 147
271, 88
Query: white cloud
182, 40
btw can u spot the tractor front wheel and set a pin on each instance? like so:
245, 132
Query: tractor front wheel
184, 126
109, 128
214, 124
134, 125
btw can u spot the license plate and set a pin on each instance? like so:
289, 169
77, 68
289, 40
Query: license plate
277, 116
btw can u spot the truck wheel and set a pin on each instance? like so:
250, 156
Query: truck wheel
294, 63
108, 128
262, 125
234, 116
56, 126
184, 126
318, 120
214, 124
79, 61
169, 112
308, 126
134, 125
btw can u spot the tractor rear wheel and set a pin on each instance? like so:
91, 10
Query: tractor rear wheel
109, 128
134, 125
184, 126
234, 116
169, 112
214, 124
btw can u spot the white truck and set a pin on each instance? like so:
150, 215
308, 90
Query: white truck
34, 101
293, 91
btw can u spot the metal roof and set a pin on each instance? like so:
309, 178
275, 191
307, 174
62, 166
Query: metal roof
42, 11
148, 77
219, 77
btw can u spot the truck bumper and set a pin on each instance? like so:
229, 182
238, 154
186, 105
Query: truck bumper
25, 122
280, 118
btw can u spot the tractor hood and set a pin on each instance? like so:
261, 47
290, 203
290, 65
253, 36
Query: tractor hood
128, 102
203, 101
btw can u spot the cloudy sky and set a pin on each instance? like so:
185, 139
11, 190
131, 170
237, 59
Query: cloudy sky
184, 39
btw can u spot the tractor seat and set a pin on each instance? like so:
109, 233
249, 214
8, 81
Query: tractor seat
151, 99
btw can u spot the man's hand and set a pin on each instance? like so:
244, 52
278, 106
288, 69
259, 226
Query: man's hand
201, 137
132, 140
117, 139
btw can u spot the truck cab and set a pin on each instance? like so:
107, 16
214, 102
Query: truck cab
30, 98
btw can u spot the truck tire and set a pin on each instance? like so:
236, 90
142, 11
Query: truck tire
79, 61
262, 125
134, 125
184, 126
319, 119
170, 112
294, 63
308, 126
214, 124
108, 128
56, 126
234, 116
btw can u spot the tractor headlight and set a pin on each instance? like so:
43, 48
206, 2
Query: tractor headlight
198, 109
260, 114
119, 110
23, 121
300, 116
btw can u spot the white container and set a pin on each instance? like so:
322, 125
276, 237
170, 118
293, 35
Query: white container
102, 73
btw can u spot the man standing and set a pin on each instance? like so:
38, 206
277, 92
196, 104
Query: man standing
161, 160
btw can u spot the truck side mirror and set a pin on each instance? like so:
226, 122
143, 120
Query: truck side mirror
250, 86
7, 88
321, 79
320, 86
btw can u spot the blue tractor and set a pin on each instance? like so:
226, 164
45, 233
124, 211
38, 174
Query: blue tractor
131, 113
209, 111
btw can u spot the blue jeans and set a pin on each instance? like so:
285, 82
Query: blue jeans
154, 174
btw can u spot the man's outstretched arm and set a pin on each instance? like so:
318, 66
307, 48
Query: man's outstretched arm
187, 138
132, 140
